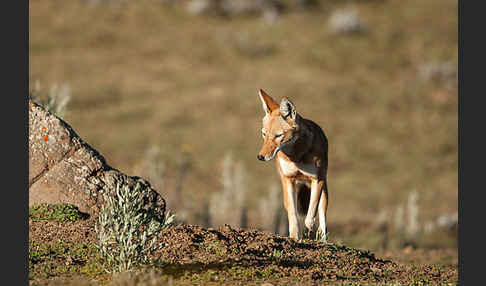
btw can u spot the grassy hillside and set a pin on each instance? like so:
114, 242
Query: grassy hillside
146, 74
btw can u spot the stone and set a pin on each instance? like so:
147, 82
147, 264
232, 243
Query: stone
63, 168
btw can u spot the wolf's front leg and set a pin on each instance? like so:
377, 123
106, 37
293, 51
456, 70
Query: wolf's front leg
316, 189
291, 206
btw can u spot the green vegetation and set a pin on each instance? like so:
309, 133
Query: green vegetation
276, 254
59, 258
216, 248
56, 212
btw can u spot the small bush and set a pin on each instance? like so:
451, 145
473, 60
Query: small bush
55, 100
126, 231
228, 205
346, 21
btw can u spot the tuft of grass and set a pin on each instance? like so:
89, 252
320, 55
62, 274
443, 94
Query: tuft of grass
276, 254
55, 100
56, 212
228, 205
127, 232
216, 248
321, 236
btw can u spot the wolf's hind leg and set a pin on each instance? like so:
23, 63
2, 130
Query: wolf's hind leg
323, 202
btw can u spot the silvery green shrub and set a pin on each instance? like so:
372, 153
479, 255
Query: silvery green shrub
127, 231
55, 100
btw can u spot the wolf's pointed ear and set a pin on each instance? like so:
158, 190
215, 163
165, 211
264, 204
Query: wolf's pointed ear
268, 103
287, 109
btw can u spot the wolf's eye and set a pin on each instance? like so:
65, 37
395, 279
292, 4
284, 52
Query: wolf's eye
263, 132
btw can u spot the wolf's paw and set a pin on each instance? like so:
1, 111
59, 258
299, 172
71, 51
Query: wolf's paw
321, 236
310, 223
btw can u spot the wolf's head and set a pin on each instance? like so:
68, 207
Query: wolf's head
280, 128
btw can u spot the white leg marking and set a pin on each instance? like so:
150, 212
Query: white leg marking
322, 218
314, 200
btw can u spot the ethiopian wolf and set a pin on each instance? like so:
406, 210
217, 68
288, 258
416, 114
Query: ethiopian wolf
300, 148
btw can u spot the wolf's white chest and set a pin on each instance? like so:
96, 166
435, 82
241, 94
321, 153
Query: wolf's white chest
291, 169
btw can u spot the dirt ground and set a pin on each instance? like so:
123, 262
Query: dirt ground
229, 256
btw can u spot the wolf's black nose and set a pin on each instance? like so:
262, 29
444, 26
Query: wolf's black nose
261, 158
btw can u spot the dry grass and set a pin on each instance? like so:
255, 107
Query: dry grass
145, 74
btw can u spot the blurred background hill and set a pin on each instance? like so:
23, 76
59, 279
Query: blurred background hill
167, 90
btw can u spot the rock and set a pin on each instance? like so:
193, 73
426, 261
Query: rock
241, 7
65, 169
235, 7
203, 7
346, 21
440, 72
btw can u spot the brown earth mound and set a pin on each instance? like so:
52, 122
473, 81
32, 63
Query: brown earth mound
236, 256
